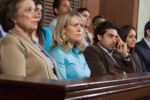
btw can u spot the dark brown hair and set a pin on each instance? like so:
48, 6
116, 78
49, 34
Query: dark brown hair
8, 10
124, 31
40, 30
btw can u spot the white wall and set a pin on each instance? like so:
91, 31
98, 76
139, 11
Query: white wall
143, 17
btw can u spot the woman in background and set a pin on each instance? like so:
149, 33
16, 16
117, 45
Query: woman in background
67, 47
129, 35
42, 35
88, 36
19, 54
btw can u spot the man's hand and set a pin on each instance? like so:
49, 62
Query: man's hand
122, 47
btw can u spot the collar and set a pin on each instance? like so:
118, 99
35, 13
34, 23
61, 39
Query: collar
75, 49
147, 42
109, 52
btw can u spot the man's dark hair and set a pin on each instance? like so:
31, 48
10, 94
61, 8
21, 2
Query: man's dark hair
97, 17
147, 27
102, 27
56, 5
80, 10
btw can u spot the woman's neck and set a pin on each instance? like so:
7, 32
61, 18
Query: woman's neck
26, 33
129, 50
71, 44
35, 34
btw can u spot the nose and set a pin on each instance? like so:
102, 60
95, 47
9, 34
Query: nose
39, 12
114, 40
69, 8
35, 15
80, 28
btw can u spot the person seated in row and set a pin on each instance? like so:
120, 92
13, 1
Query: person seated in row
88, 36
67, 46
128, 34
108, 55
19, 55
98, 19
59, 7
42, 35
142, 48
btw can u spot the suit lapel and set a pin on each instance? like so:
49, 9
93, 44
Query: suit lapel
108, 57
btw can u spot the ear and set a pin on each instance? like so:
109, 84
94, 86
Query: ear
99, 37
13, 19
56, 11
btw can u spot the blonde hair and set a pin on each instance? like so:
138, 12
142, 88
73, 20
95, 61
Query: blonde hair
59, 36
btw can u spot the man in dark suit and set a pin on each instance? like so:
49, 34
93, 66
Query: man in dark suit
142, 48
105, 57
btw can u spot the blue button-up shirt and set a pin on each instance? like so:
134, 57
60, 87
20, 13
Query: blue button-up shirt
71, 65
109, 53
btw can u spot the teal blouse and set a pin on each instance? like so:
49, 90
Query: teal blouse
47, 39
70, 65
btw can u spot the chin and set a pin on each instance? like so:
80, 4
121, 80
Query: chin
132, 46
33, 29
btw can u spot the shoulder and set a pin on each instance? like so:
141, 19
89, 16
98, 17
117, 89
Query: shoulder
92, 49
141, 43
46, 29
48, 34
139, 47
57, 52
53, 22
9, 40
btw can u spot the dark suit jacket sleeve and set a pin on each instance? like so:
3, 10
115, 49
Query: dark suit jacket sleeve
94, 61
139, 53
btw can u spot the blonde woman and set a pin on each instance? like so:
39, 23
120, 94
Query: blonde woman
67, 47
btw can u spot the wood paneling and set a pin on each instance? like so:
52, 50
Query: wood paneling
48, 14
94, 8
135, 86
120, 12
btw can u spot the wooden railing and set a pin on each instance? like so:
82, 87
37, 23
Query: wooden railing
121, 87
